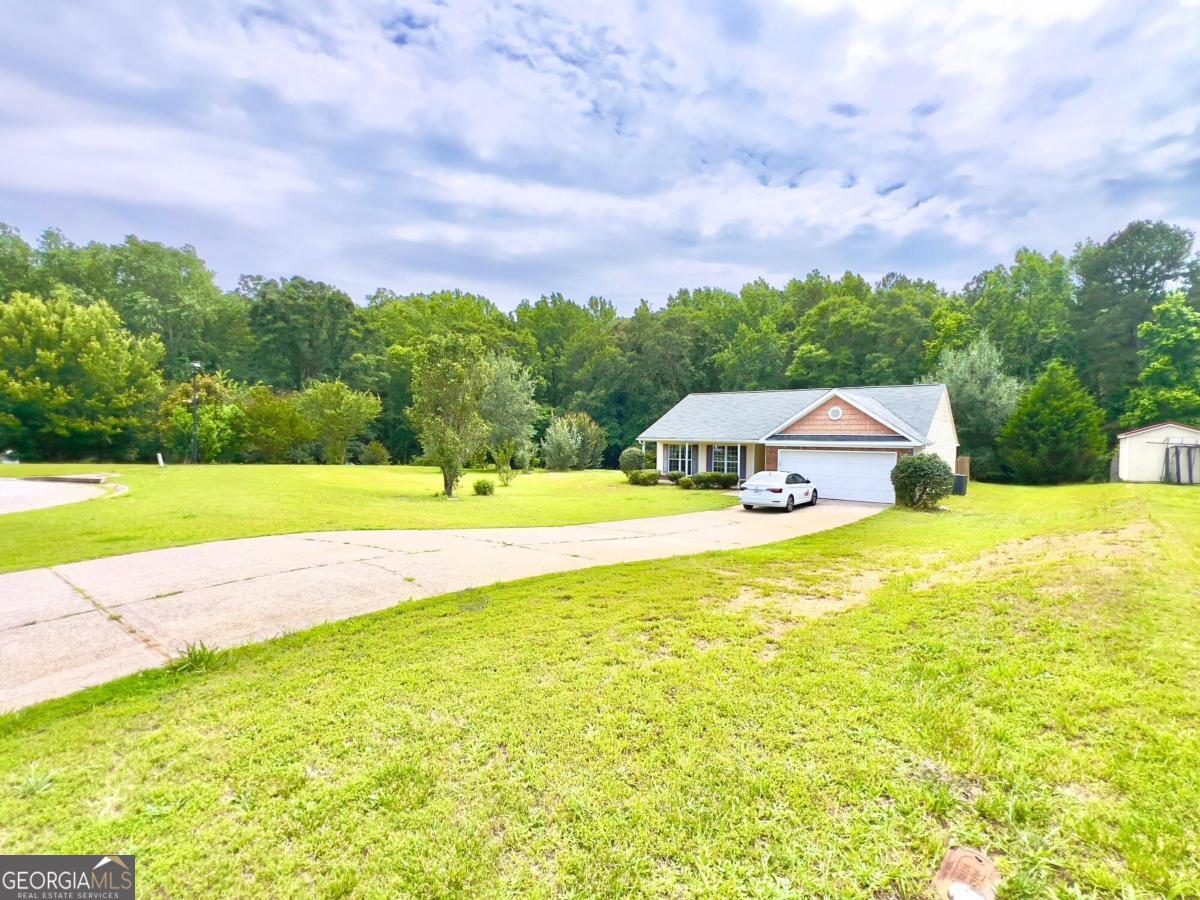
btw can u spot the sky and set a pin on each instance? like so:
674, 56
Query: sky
616, 149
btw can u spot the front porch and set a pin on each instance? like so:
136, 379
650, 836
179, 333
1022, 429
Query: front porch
692, 458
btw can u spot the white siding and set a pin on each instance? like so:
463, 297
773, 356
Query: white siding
943, 438
1141, 454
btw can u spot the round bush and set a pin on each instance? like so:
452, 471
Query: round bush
484, 486
921, 481
686, 482
674, 476
643, 477
632, 459
375, 454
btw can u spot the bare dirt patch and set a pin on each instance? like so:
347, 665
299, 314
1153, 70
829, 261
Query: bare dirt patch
1102, 548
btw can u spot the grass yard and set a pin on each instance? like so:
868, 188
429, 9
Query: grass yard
189, 504
822, 717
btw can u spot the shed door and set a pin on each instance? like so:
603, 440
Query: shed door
845, 474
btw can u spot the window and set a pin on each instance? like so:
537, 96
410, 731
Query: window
725, 458
679, 458
835, 412
796, 479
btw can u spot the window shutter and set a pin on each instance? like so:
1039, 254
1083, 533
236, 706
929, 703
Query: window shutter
693, 458
742, 461
710, 458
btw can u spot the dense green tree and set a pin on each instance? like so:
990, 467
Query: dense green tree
553, 322
1025, 310
338, 414
983, 398
658, 370
304, 329
1169, 383
508, 408
449, 375
1055, 434
1120, 281
273, 427
16, 263
73, 382
755, 360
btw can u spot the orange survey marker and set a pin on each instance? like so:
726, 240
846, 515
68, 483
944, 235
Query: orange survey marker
966, 875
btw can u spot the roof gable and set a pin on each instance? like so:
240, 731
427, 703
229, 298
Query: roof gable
1156, 426
751, 416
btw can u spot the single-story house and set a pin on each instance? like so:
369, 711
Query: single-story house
1166, 451
846, 440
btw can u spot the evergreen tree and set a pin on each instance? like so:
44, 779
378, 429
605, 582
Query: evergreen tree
1056, 433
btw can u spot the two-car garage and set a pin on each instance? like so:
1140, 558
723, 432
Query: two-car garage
845, 474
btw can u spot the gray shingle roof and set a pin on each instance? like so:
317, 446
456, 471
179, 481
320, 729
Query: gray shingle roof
749, 415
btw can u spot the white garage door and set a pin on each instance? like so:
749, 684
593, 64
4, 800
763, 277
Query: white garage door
845, 475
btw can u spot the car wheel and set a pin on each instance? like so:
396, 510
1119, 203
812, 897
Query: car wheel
791, 504
813, 501
747, 506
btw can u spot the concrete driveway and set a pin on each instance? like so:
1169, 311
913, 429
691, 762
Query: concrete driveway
69, 627
19, 495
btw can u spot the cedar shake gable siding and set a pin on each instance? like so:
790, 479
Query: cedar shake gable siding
853, 422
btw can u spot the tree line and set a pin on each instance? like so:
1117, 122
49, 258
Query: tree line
97, 340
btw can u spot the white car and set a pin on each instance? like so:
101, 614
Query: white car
780, 489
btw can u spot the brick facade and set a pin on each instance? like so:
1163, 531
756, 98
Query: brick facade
853, 421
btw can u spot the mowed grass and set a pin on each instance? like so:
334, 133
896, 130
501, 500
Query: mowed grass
822, 717
188, 504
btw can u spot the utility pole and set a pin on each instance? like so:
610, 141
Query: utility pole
197, 368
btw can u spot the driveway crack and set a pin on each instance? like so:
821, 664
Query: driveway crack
140, 636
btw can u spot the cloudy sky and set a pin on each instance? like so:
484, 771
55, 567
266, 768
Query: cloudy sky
616, 148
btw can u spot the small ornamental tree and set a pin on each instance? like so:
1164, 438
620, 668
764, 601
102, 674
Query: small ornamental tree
337, 414
984, 398
921, 481
448, 382
508, 408
1055, 435
632, 459
560, 445
592, 440
273, 427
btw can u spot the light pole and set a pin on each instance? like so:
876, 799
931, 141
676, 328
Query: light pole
197, 368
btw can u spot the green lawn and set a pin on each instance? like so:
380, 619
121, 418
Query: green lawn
822, 717
187, 504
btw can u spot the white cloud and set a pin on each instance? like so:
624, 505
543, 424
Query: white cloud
519, 151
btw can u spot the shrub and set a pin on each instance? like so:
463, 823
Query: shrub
484, 486
921, 481
632, 459
644, 477
686, 482
674, 477
375, 454
715, 480
592, 440
560, 446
